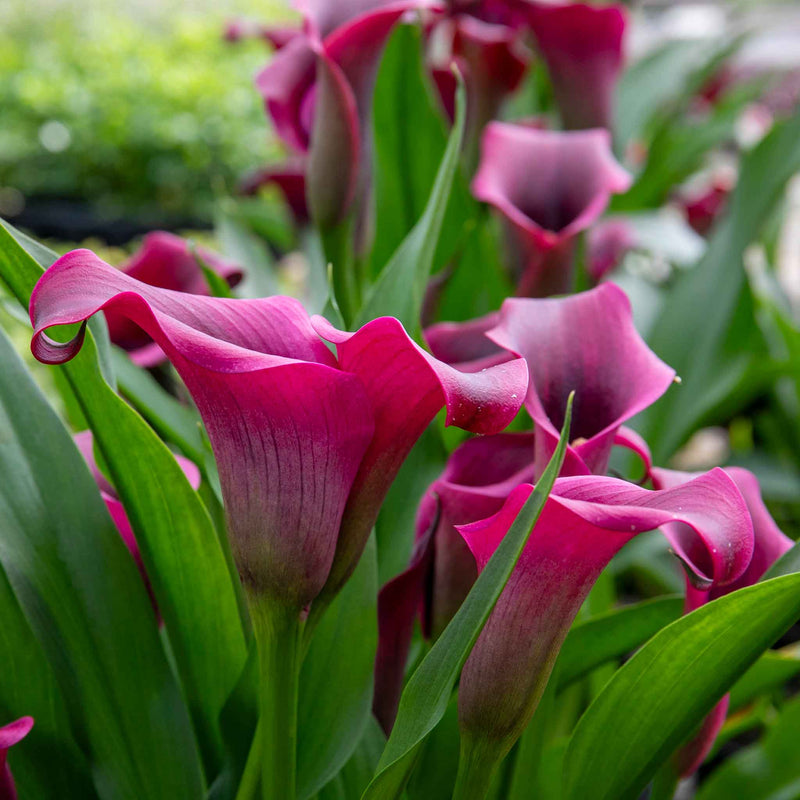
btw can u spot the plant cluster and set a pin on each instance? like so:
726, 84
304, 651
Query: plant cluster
429, 528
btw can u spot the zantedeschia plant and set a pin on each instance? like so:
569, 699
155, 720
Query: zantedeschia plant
425, 506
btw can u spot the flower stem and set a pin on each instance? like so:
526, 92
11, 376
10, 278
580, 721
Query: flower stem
476, 767
278, 632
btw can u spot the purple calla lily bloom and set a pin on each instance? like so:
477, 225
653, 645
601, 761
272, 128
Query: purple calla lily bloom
166, 261
491, 57
608, 242
11, 734
549, 186
585, 522
85, 444
237, 30
318, 91
770, 543
582, 45
586, 343
478, 478
306, 443
592, 347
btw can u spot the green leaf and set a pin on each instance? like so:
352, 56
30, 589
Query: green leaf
85, 601
611, 635
356, 773
706, 329
769, 770
173, 421
411, 142
29, 688
242, 246
652, 82
768, 674
336, 679
181, 551
427, 693
400, 288
655, 701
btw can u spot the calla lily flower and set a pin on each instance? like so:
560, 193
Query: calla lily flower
582, 45
11, 734
608, 242
491, 58
592, 347
770, 543
318, 90
166, 261
465, 345
549, 186
585, 522
478, 478
290, 178
237, 30
85, 444
586, 343
306, 443
702, 208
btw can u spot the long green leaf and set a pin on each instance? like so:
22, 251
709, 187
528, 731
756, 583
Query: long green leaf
29, 688
611, 635
87, 605
179, 545
706, 329
425, 698
655, 701
412, 141
400, 288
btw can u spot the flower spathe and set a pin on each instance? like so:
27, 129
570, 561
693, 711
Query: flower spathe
166, 261
549, 186
406, 392
586, 520
478, 478
318, 90
586, 343
491, 57
11, 734
582, 46
769, 544
305, 442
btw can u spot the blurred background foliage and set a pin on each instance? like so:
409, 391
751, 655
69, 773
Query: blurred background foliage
136, 113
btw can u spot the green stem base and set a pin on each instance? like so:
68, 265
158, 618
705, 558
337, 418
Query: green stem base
476, 767
279, 635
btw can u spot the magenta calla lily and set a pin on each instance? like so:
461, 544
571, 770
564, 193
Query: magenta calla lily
585, 522
465, 345
85, 444
586, 343
306, 444
575, 176
406, 392
582, 45
478, 478
11, 734
318, 91
492, 59
608, 242
770, 543
166, 261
